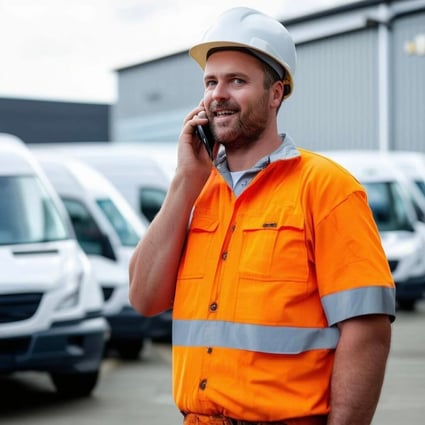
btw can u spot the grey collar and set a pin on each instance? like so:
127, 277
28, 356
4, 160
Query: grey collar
287, 150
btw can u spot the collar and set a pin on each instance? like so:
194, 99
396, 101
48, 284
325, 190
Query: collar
287, 150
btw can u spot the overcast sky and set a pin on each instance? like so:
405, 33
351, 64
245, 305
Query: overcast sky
69, 49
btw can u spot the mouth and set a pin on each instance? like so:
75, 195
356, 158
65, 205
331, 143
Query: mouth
224, 113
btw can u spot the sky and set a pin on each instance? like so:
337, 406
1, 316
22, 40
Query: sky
69, 50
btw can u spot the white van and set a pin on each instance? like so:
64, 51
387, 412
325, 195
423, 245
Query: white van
108, 230
402, 233
413, 165
50, 303
140, 171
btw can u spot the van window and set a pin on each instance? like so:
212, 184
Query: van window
27, 213
150, 201
87, 231
125, 231
388, 206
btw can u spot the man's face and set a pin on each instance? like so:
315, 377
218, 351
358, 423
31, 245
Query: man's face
235, 99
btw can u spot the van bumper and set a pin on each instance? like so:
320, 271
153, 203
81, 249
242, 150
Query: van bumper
72, 346
131, 325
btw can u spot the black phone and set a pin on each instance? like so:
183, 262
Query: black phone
205, 134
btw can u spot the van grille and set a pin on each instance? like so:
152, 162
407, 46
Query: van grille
16, 307
14, 346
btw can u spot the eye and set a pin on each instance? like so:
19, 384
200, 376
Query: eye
210, 83
238, 81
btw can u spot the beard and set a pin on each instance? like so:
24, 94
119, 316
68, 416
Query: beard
248, 127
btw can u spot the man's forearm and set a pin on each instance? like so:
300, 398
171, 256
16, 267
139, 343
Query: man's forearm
155, 261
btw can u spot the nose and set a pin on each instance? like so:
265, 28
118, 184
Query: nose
220, 91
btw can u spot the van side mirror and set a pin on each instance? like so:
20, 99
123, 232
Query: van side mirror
150, 201
107, 248
420, 213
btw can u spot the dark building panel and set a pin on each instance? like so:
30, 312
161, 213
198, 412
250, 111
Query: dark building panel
42, 121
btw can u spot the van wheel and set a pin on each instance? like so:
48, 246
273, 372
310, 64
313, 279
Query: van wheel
129, 350
75, 385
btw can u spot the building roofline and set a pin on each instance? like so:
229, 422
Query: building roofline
302, 19
153, 60
336, 10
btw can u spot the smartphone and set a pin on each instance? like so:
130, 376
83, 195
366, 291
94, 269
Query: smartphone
205, 134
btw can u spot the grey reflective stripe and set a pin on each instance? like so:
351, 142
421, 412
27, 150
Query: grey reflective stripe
357, 302
261, 338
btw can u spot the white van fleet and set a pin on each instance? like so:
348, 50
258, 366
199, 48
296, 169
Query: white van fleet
140, 171
413, 165
402, 233
51, 316
108, 230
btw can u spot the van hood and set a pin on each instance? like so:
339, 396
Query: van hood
38, 267
112, 273
404, 251
125, 253
108, 272
400, 243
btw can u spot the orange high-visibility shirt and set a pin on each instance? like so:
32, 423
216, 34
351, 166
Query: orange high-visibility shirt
263, 281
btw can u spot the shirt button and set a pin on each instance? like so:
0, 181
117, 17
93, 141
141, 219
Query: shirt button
213, 306
224, 256
209, 350
203, 384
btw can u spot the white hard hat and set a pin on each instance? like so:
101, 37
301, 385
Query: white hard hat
265, 37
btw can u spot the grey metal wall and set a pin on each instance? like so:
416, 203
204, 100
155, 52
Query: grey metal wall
408, 86
334, 104
155, 97
337, 103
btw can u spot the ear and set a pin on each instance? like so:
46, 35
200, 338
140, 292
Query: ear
276, 94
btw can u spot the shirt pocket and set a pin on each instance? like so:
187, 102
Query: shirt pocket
199, 246
274, 250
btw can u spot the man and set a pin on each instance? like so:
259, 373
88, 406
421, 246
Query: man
281, 293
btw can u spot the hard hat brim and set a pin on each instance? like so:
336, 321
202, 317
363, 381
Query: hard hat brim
200, 51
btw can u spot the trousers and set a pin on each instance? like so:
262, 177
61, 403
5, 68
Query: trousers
196, 419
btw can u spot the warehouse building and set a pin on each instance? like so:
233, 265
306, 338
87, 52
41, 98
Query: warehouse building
360, 82
46, 121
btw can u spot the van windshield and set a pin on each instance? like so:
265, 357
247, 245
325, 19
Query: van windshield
388, 206
125, 231
27, 212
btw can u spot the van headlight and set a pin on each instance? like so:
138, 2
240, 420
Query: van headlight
72, 296
409, 253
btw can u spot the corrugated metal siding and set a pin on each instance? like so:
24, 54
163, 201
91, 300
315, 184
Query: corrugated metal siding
408, 84
334, 104
336, 100
155, 97
318, 115
148, 89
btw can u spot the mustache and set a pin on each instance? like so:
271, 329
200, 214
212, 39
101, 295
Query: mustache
217, 105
